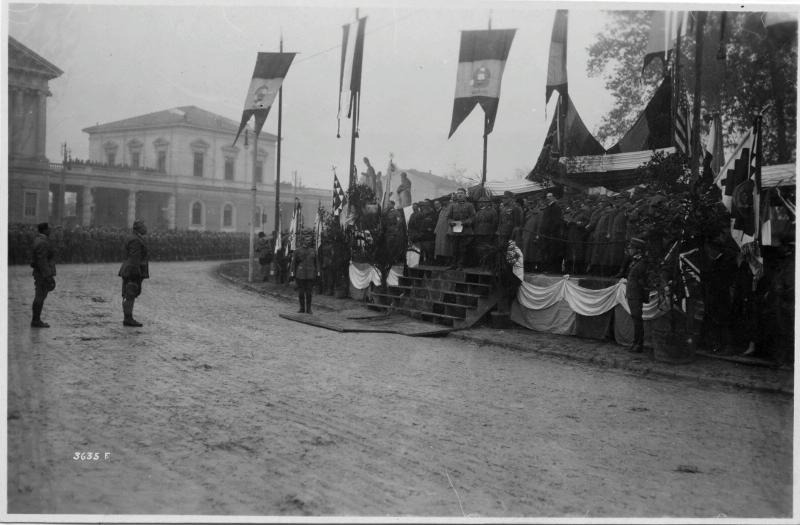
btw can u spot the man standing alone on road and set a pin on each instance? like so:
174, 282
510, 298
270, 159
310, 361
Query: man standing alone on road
44, 272
133, 271
304, 270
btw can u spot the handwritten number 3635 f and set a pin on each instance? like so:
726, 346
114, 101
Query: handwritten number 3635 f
90, 456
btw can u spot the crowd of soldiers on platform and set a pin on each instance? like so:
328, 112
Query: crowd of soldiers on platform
70, 162
95, 244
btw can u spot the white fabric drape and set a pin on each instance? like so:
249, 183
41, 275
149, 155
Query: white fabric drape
583, 300
362, 274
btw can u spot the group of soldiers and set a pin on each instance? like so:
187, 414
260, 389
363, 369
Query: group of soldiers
90, 244
135, 268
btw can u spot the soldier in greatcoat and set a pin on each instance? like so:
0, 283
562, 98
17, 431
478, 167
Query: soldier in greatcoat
135, 268
636, 290
303, 270
44, 272
460, 212
509, 220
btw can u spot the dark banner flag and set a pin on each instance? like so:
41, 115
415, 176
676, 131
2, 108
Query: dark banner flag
740, 182
481, 61
557, 66
268, 75
350, 68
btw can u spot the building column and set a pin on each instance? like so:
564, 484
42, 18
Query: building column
41, 124
88, 206
131, 207
171, 211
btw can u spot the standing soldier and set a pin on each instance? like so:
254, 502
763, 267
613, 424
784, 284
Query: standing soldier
485, 224
133, 271
550, 233
636, 291
264, 252
510, 218
44, 272
304, 270
460, 215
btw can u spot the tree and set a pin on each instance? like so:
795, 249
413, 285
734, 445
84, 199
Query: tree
751, 70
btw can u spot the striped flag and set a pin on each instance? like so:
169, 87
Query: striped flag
350, 70
318, 224
481, 61
279, 234
268, 75
338, 196
682, 128
714, 156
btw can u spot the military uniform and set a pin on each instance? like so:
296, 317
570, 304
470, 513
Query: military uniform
135, 268
465, 213
637, 294
44, 273
421, 231
509, 219
304, 271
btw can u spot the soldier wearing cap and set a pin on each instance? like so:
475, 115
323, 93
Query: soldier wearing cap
460, 212
485, 222
135, 268
44, 272
636, 291
304, 270
510, 218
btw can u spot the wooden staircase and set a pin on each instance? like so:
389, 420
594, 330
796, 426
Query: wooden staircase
453, 298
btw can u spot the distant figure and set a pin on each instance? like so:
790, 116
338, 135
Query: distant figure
369, 176
133, 271
379, 188
404, 191
44, 272
442, 250
263, 251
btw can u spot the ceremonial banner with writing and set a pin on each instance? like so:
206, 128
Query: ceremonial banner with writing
268, 75
481, 61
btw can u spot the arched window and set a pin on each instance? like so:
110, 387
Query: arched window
197, 214
227, 216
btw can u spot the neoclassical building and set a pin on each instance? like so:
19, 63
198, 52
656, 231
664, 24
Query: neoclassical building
175, 169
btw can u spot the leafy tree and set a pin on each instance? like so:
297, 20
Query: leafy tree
750, 71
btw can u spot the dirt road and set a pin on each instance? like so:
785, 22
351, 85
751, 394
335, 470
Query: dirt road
220, 407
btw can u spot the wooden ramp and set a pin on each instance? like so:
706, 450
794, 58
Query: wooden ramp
363, 320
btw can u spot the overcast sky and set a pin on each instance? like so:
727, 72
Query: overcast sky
121, 61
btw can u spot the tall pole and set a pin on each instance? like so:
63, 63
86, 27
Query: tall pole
700, 23
253, 212
354, 103
278, 160
485, 128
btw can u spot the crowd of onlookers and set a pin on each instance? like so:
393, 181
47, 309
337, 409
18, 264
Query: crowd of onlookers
81, 162
89, 244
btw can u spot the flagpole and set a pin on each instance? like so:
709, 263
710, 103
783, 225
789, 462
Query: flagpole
354, 101
278, 158
700, 23
253, 212
485, 128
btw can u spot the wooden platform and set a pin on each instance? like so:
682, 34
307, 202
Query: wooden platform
363, 320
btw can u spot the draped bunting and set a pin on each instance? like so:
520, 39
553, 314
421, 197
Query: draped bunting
362, 274
582, 301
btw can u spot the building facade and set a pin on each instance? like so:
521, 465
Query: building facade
175, 169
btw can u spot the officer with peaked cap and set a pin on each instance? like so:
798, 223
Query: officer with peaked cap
44, 272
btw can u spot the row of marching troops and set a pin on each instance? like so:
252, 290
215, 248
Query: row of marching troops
90, 244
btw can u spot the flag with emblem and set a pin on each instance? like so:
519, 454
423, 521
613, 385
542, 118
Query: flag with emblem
740, 182
338, 196
268, 75
481, 61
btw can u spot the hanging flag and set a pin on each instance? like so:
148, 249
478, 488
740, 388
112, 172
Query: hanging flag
318, 226
338, 196
481, 61
682, 128
350, 70
268, 75
557, 66
714, 156
294, 227
652, 129
740, 182
278, 243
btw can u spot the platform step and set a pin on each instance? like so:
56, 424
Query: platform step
424, 304
424, 315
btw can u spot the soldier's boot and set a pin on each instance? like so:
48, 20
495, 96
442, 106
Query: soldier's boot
302, 298
308, 303
36, 321
127, 310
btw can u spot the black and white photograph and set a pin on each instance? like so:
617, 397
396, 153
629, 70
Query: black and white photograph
399, 261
